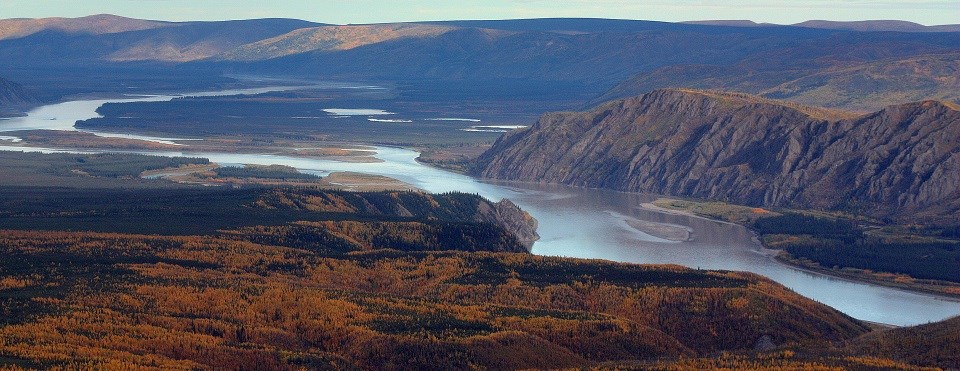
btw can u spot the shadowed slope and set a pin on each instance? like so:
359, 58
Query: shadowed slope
898, 162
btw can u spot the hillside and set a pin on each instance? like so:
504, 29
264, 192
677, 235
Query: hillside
101, 40
509, 57
14, 99
94, 24
934, 344
572, 57
601, 53
846, 81
204, 302
329, 38
897, 163
290, 278
592, 55
869, 85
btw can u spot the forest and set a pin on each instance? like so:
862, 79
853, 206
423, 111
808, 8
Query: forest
842, 243
347, 220
302, 115
95, 170
118, 300
292, 278
264, 172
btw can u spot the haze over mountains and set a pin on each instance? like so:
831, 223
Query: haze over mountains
817, 63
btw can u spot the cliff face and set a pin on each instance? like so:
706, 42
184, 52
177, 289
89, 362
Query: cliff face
510, 217
458, 208
14, 99
900, 162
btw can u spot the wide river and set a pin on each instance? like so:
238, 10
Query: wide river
574, 222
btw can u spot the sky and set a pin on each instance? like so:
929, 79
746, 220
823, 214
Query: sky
928, 12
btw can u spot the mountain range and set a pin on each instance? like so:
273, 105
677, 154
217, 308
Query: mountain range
899, 163
820, 63
865, 26
860, 118
106, 38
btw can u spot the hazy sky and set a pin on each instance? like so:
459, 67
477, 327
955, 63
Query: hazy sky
927, 12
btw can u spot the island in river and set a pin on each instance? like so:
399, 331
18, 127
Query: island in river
574, 222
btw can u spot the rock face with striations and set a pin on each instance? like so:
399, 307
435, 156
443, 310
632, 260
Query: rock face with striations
509, 216
14, 99
902, 162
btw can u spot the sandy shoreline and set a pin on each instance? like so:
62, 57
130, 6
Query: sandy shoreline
670, 232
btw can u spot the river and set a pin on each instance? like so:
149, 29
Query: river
574, 222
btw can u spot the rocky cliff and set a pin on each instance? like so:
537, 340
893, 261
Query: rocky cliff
14, 99
902, 162
510, 217
452, 207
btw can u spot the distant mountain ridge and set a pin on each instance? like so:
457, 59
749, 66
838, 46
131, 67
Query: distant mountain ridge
864, 79
879, 25
94, 24
110, 39
863, 26
603, 58
329, 38
900, 162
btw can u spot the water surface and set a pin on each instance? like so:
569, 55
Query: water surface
574, 222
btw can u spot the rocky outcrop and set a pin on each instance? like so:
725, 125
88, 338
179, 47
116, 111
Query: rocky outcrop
453, 207
14, 99
902, 162
509, 216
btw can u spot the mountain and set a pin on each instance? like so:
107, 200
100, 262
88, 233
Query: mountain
587, 58
861, 26
598, 59
879, 25
933, 344
729, 22
94, 25
14, 98
327, 38
872, 85
92, 41
595, 25
619, 58
900, 162
852, 84
853, 71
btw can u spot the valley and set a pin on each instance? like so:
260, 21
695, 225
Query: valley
577, 193
601, 228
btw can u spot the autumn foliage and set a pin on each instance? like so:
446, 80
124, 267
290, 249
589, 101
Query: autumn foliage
119, 301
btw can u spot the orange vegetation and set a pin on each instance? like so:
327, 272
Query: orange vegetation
123, 301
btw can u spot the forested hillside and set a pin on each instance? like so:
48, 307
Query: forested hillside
112, 300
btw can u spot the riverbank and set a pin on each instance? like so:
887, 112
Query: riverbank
745, 216
574, 222
898, 281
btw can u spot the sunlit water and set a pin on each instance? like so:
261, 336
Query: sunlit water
574, 222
